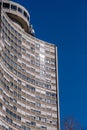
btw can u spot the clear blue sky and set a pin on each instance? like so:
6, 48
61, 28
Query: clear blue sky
64, 23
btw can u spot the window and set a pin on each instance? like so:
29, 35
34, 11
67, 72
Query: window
38, 104
25, 128
47, 61
53, 61
19, 81
0, 104
30, 87
54, 122
48, 100
47, 86
54, 95
32, 117
37, 45
15, 108
13, 114
32, 49
6, 5
43, 119
38, 98
42, 72
19, 88
48, 94
38, 112
27, 17
13, 7
8, 119
37, 118
19, 10
25, 14
33, 123
43, 127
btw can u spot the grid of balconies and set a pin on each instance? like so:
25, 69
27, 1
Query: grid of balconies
28, 98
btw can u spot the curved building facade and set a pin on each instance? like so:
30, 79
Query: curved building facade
29, 97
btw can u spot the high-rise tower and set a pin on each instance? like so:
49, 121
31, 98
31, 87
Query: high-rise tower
29, 97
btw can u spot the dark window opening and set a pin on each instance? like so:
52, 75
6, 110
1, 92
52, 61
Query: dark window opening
27, 17
25, 14
6, 5
0, 104
19, 10
13, 7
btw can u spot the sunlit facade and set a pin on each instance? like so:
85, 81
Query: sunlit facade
29, 97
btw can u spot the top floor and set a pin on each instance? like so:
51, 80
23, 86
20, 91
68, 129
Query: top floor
18, 14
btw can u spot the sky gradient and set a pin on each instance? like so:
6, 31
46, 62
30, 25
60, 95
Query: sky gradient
64, 23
